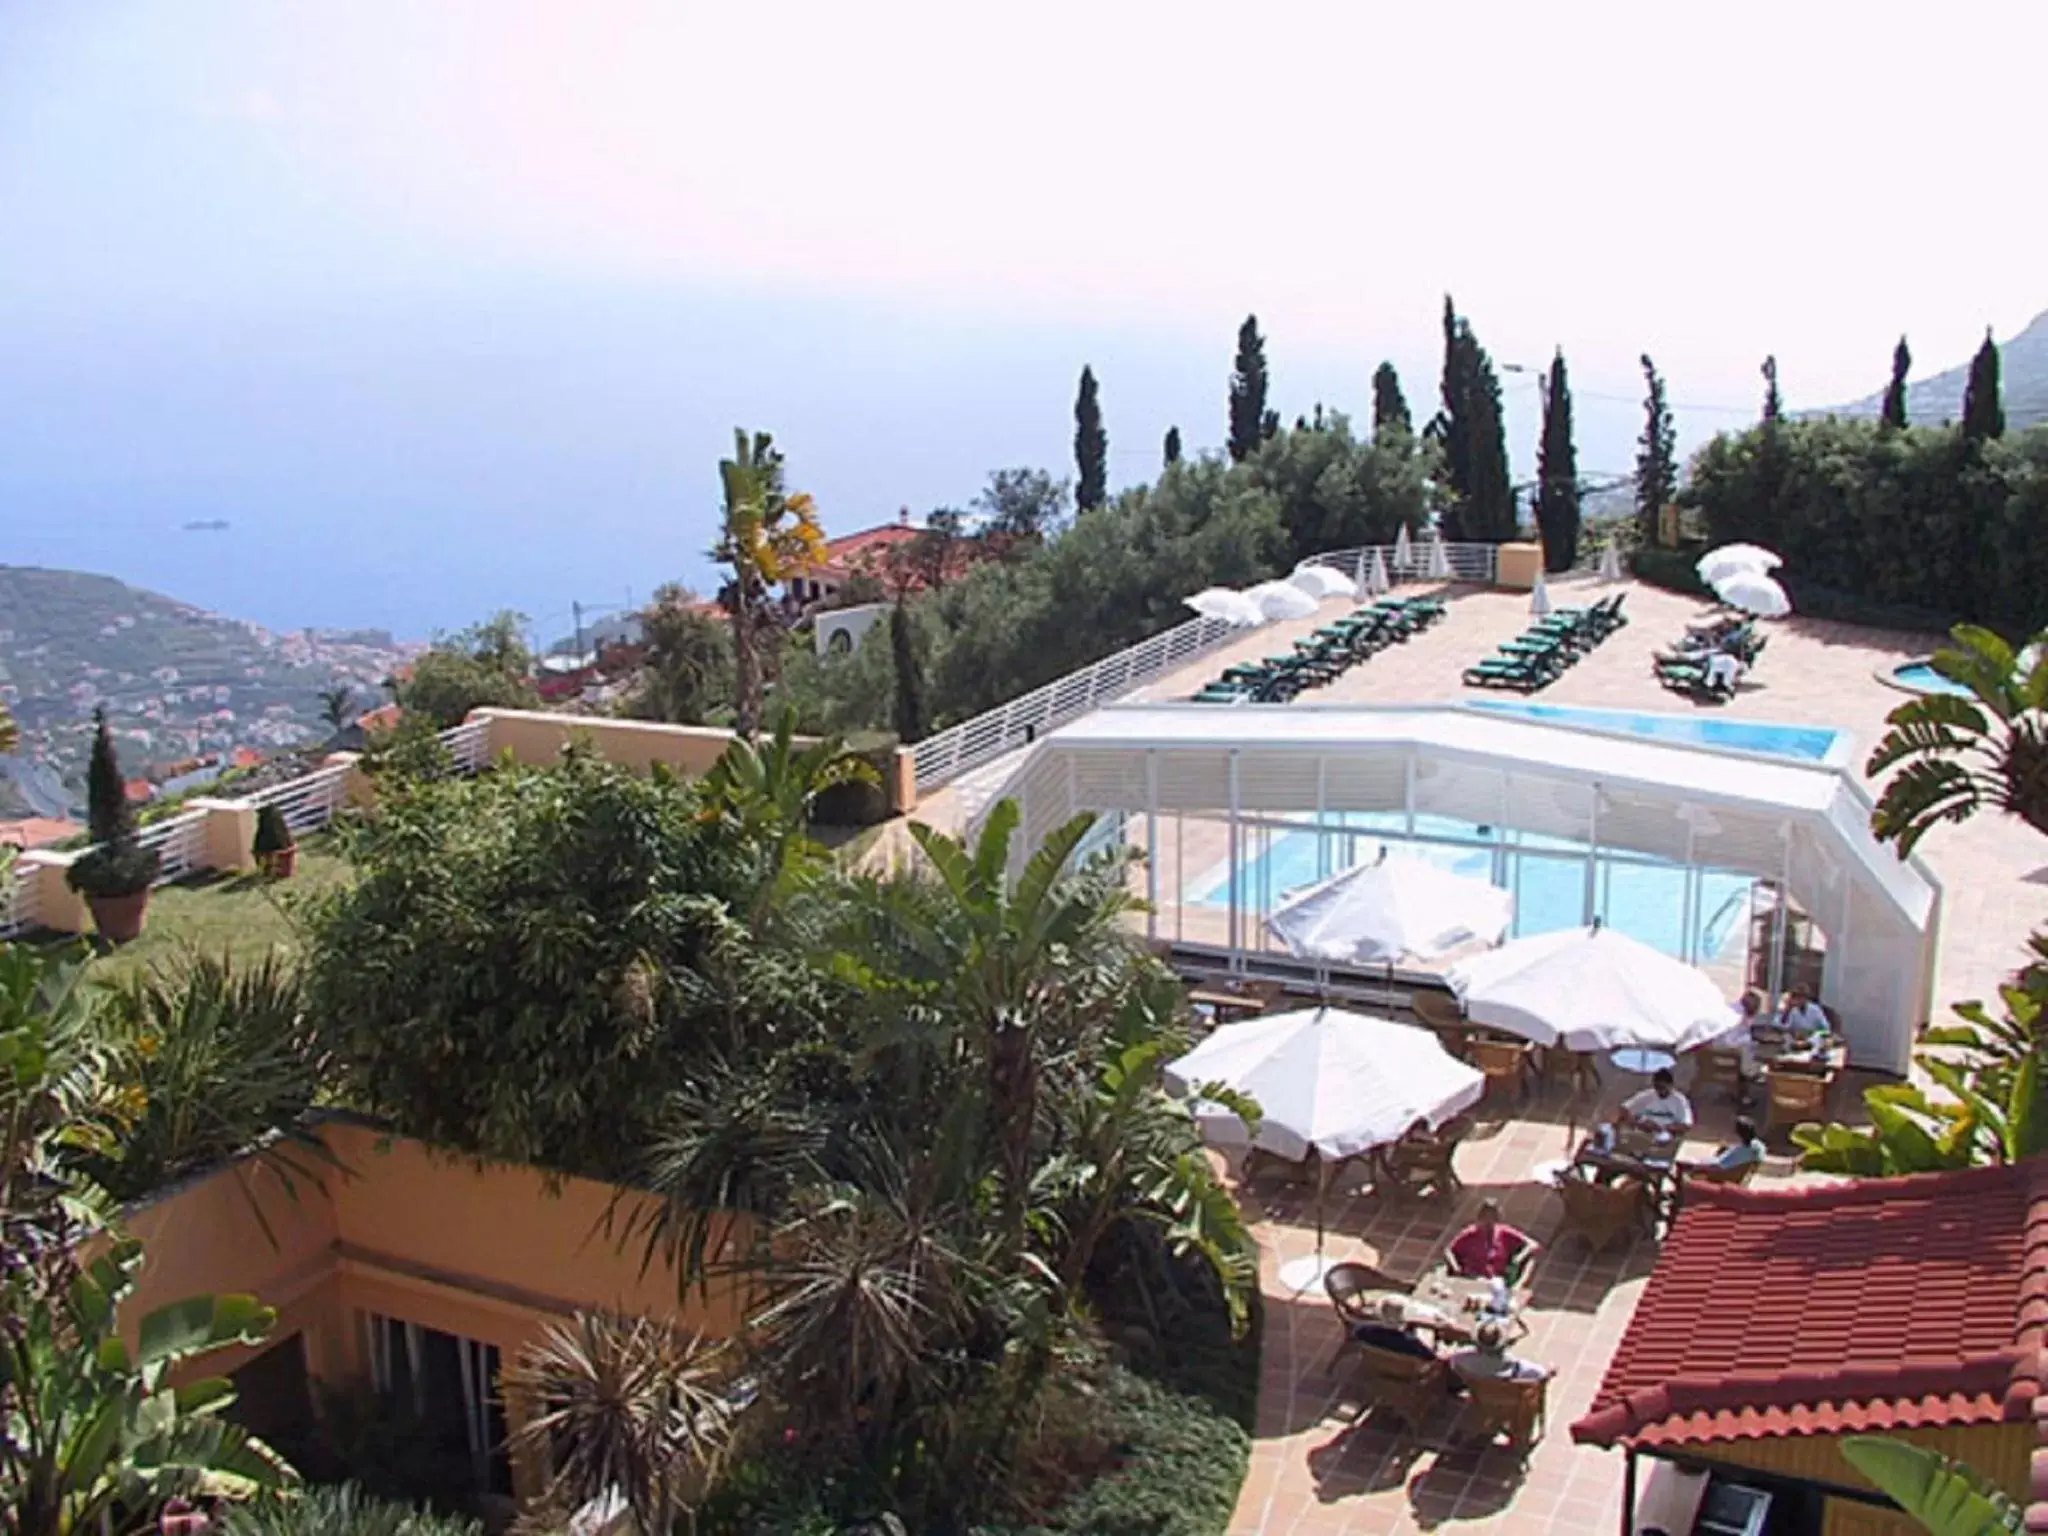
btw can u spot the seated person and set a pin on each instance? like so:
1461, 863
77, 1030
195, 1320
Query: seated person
1724, 672
1490, 1249
1391, 1332
1488, 1358
1747, 1148
1659, 1107
1803, 1018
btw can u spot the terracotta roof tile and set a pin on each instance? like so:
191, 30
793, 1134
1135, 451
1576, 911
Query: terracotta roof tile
1872, 1304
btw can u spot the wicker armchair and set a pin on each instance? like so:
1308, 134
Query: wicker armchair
1346, 1283
1409, 1389
1512, 1407
1603, 1213
1505, 1062
1719, 1070
1421, 1165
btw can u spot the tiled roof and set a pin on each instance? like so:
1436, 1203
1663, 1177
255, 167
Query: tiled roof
36, 831
1834, 1308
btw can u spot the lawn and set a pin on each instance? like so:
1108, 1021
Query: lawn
242, 915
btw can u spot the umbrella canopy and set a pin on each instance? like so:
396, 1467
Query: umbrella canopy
1338, 1082
1539, 597
1376, 580
1281, 600
1439, 567
1226, 603
1381, 911
1321, 581
1404, 552
1592, 989
1610, 563
1730, 558
1753, 592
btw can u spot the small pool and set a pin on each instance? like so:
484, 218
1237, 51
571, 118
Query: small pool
1807, 743
1920, 677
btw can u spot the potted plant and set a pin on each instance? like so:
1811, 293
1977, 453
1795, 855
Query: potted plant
115, 874
277, 851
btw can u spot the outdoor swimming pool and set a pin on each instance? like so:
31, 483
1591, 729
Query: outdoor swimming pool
1922, 678
1647, 900
1808, 743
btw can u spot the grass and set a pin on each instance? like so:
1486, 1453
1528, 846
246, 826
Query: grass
241, 915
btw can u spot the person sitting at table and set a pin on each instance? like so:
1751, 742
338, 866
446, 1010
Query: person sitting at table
1490, 1249
1745, 1149
1659, 1107
1488, 1359
1391, 1332
1802, 1018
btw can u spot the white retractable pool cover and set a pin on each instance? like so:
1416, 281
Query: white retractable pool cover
1806, 825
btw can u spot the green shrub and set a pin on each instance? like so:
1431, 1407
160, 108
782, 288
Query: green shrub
273, 832
338, 1510
1673, 570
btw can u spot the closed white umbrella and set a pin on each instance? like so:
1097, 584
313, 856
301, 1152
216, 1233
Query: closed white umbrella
1539, 597
1226, 603
1321, 581
1730, 558
1439, 567
1591, 989
1281, 600
1610, 563
1375, 913
1338, 1082
1754, 592
1404, 552
1376, 580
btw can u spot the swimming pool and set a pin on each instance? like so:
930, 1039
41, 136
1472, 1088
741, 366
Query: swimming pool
1919, 677
1808, 743
1644, 899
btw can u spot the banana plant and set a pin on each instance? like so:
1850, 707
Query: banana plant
1947, 1496
97, 1438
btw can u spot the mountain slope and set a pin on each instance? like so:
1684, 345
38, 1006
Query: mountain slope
2023, 380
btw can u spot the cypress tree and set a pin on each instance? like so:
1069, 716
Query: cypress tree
1389, 405
1656, 456
1893, 413
109, 815
1773, 406
1172, 446
909, 703
1557, 473
1250, 422
1091, 447
1474, 441
1983, 411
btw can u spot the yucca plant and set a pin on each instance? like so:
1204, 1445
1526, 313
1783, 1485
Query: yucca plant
337, 1509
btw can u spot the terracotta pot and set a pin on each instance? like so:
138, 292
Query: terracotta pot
119, 918
278, 865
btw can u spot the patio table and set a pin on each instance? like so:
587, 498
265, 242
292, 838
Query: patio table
1448, 1306
1642, 1061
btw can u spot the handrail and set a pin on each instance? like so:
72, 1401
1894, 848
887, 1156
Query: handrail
943, 757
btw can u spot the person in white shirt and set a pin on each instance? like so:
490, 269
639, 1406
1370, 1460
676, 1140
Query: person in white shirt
1488, 1358
1802, 1017
1659, 1107
1724, 672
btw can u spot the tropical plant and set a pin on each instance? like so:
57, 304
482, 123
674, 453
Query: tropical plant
765, 533
273, 833
1945, 1495
686, 674
116, 864
338, 706
336, 1509
97, 1438
1951, 759
766, 791
486, 666
629, 1408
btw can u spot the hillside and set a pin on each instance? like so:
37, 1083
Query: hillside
178, 682
2023, 379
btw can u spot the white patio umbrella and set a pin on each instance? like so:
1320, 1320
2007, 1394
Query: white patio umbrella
1376, 580
1404, 552
1321, 581
1281, 600
1338, 1082
1610, 563
1753, 592
1730, 558
1377, 912
1226, 603
1439, 567
1539, 597
1590, 989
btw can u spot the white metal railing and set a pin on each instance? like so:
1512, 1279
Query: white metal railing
309, 802
943, 757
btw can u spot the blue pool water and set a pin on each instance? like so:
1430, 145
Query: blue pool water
1809, 743
1921, 678
1647, 901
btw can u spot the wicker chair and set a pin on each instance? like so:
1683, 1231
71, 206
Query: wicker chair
1505, 1062
1407, 1387
1346, 1283
1796, 1096
1515, 1408
1439, 1013
1603, 1213
1719, 1070
1575, 1069
1421, 1165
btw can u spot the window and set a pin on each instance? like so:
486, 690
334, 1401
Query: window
274, 1399
450, 1383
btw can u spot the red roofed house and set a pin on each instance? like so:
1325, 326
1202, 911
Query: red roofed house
1779, 1321
869, 552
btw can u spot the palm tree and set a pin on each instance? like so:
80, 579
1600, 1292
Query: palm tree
626, 1407
338, 705
1956, 755
765, 532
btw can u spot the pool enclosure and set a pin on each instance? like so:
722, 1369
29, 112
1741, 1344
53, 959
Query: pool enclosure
1759, 868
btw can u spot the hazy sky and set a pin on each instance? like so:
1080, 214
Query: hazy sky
380, 281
